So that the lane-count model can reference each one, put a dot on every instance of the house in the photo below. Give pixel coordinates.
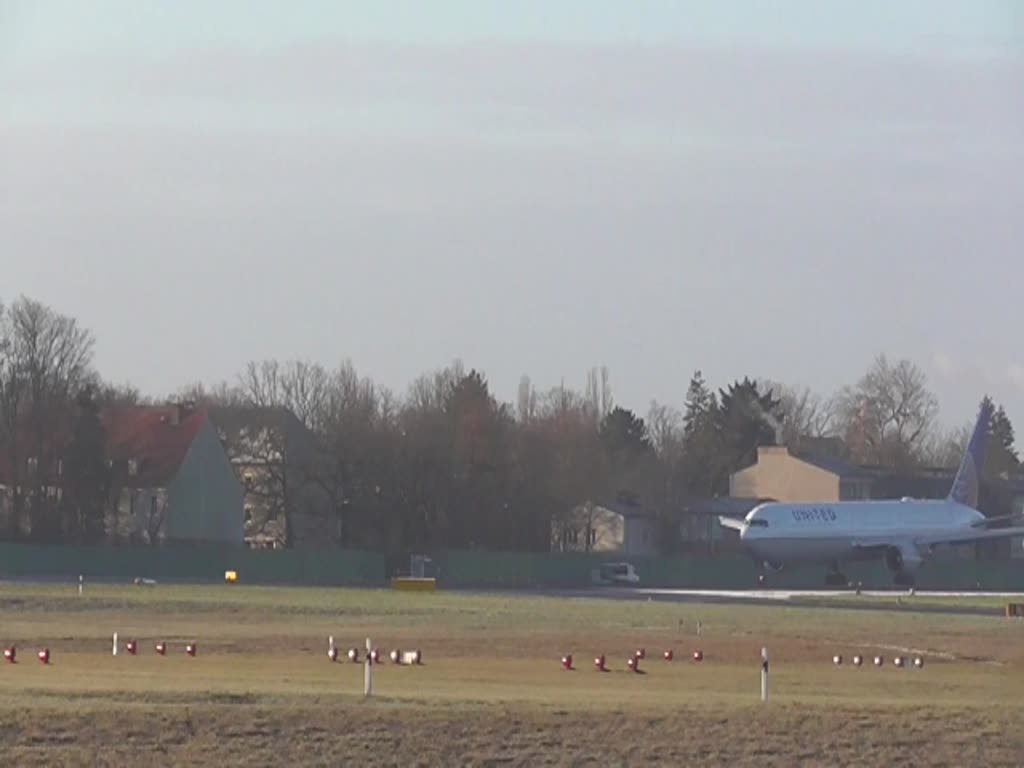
(699, 530)
(808, 476)
(287, 499)
(620, 527)
(176, 483)
(168, 478)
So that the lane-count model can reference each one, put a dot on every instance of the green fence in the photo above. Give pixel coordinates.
(465, 569)
(194, 564)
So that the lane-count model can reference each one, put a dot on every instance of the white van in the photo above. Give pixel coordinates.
(616, 573)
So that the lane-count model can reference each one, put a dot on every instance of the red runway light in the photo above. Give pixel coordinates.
(161, 648)
(668, 655)
(10, 654)
(44, 656)
(599, 663)
(567, 661)
(191, 649)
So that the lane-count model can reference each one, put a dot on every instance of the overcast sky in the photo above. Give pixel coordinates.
(774, 189)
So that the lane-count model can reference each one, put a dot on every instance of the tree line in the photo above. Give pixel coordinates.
(447, 464)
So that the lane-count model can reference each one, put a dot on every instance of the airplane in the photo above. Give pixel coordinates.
(902, 533)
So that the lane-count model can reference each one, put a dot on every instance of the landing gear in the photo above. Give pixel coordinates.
(766, 568)
(903, 579)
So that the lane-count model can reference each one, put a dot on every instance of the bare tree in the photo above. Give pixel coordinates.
(945, 448)
(803, 412)
(599, 393)
(665, 428)
(887, 417)
(299, 386)
(526, 408)
(47, 360)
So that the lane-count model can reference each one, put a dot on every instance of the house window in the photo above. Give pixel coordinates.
(33, 463)
(133, 467)
(60, 467)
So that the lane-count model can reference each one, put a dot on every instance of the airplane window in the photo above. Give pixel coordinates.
(759, 523)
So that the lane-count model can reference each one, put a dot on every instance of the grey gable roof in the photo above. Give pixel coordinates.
(837, 466)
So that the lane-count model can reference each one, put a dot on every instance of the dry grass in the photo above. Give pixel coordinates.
(262, 692)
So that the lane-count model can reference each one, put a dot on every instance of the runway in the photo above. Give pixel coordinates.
(874, 600)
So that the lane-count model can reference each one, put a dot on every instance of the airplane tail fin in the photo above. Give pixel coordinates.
(968, 477)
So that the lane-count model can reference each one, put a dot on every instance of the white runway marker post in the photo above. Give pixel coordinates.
(368, 671)
(115, 644)
(764, 674)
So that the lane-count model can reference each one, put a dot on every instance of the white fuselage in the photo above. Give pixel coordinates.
(830, 532)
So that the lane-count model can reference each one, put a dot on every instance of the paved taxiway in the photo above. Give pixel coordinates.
(844, 599)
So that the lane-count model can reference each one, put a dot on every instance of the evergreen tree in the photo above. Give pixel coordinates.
(1000, 452)
(745, 419)
(701, 448)
(624, 434)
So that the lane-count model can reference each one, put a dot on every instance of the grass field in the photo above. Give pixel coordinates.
(261, 690)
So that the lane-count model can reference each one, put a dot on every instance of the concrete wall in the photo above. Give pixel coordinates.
(205, 498)
(780, 476)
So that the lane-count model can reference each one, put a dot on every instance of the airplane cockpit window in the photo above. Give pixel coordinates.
(758, 523)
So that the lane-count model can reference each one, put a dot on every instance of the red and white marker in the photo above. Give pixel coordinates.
(599, 663)
(191, 649)
(669, 655)
(10, 654)
(698, 655)
(44, 656)
(567, 661)
(161, 648)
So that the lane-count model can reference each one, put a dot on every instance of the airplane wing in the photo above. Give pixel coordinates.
(984, 524)
(969, 536)
(881, 542)
(731, 522)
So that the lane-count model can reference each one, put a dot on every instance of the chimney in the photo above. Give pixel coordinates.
(179, 412)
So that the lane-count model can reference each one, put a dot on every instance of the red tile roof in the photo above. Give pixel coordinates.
(149, 436)
(145, 434)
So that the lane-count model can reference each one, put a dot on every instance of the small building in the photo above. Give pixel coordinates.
(618, 527)
(172, 479)
(167, 478)
(700, 531)
(287, 501)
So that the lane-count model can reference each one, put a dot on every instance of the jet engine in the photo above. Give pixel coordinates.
(902, 563)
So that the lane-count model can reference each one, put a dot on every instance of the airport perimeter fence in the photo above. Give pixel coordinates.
(465, 569)
(202, 564)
